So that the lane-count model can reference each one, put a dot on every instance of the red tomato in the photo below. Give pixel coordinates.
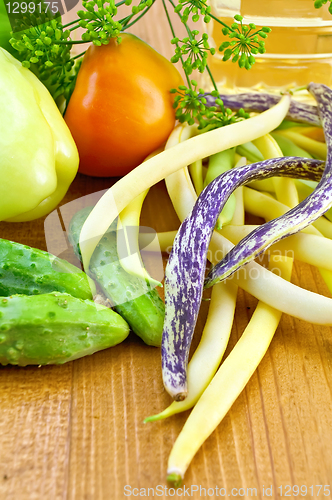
(121, 108)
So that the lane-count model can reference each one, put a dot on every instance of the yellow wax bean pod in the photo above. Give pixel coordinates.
(128, 245)
(169, 161)
(267, 207)
(165, 241)
(255, 279)
(238, 216)
(263, 185)
(283, 186)
(227, 384)
(196, 172)
(218, 164)
(261, 205)
(275, 291)
(309, 248)
(208, 355)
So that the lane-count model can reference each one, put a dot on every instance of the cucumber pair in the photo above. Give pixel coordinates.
(46, 312)
(47, 315)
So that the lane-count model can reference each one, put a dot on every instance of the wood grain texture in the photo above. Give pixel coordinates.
(76, 432)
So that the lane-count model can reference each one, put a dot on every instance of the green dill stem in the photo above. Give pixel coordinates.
(191, 38)
(62, 42)
(185, 24)
(225, 25)
(189, 34)
(71, 23)
(187, 28)
(74, 28)
(220, 22)
(126, 19)
(123, 20)
(169, 19)
(255, 33)
(78, 56)
(297, 89)
(211, 78)
(248, 33)
(126, 26)
(174, 36)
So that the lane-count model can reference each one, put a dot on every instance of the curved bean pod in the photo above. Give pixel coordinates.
(296, 219)
(171, 160)
(229, 381)
(186, 266)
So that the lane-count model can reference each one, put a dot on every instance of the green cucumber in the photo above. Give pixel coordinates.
(55, 328)
(141, 307)
(29, 271)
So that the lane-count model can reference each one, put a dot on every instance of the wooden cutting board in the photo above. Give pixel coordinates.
(76, 432)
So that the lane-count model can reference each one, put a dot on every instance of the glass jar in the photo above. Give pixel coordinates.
(298, 50)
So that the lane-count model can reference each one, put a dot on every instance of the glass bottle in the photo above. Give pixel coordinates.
(298, 50)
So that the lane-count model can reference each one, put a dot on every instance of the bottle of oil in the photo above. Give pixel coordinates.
(298, 50)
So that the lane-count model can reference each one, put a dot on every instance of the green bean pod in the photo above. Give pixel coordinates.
(299, 217)
(250, 151)
(218, 164)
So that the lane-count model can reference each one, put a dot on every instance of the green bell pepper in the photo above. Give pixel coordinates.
(38, 156)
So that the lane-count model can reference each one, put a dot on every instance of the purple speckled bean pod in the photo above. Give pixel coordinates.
(257, 101)
(185, 270)
(309, 210)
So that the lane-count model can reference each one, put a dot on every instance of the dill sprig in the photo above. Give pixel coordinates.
(195, 9)
(190, 105)
(245, 42)
(189, 102)
(195, 50)
(45, 48)
(45, 45)
(98, 21)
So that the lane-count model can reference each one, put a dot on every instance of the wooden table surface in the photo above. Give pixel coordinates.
(76, 432)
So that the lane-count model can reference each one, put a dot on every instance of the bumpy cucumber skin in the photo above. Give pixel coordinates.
(55, 328)
(144, 313)
(29, 271)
